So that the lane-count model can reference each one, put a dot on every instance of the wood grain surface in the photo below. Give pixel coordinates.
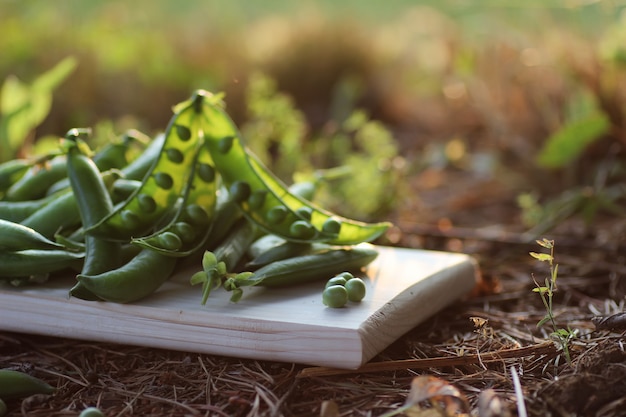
(404, 288)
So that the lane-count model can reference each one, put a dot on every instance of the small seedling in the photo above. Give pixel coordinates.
(546, 292)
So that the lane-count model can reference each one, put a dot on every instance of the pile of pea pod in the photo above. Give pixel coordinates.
(122, 225)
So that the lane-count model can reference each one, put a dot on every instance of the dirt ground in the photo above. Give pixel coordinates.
(475, 349)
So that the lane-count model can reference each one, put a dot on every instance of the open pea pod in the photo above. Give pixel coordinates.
(164, 182)
(267, 201)
(190, 227)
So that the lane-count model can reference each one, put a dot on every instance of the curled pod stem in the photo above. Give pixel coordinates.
(164, 182)
(265, 200)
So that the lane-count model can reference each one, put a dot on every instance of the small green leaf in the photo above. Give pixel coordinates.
(209, 260)
(199, 277)
(541, 290)
(544, 320)
(548, 244)
(236, 295)
(567, 143)
(543, 257)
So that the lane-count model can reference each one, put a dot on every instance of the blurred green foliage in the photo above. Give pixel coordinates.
(535, 87)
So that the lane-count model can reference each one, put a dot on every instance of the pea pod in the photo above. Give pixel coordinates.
(94, 203)
(310, 267)
(16, 237)
(163, 184)
(142, 164)
(16, 211)
(138, 278)
(36, 181)
(190, 227)
(278, 252)
(15, 384)
(264, 199)
(37, 262)
(11, 171)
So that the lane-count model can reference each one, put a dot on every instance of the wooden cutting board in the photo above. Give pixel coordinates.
(404, 288)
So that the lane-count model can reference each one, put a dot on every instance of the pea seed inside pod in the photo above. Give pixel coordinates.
(331, 226)
(276, 214)
(239, 191)
(130, 219)
(146, 203)
(196, 215)
(225, 144)
(185, 231)
(302, 229)
(206, 172)
(304, 212)
(169, 241)
(183, 132)
(164, 180)
(257, 199)
(174, 155)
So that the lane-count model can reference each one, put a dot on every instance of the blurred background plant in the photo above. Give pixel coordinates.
(438, 110)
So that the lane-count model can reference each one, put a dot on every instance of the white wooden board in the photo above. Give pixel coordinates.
(404, 288)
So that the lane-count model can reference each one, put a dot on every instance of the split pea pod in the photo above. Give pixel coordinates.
(264, 199)
(163, 184)
(190, 227)
(138, 278)
(305, 268)
(16, 237)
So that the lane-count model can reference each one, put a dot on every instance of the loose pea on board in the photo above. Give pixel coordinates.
(264, 199)
(163, 185)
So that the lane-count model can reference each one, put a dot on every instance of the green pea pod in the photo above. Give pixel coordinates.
(15, 384)
(37, 262)
(138, 278)
(36, 181)
(62, 212)
(190, 227)
(264, 199)
(317, 266)
(163, 184)
(93, 202)
(16, 237)
(11, 171)
(17, 211)
(140, 166)
(278, 253)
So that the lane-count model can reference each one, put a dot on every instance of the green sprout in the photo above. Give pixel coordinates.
(546, 292)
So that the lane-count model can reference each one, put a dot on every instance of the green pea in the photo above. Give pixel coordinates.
(356, 289)
(197, 215)
(332, 226)
(346, 275)
(302, 229)
(175, 155)
(91, 412)
(183, 132)
(226, 144)
(239, 191)
(276, 214)
(337, 280)
(146, 203)
(257, 199)
(206, 172)
(335, 296)
(170, 241)
(130, 219)
(164, 180)
(304, 212)
(185, 231)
